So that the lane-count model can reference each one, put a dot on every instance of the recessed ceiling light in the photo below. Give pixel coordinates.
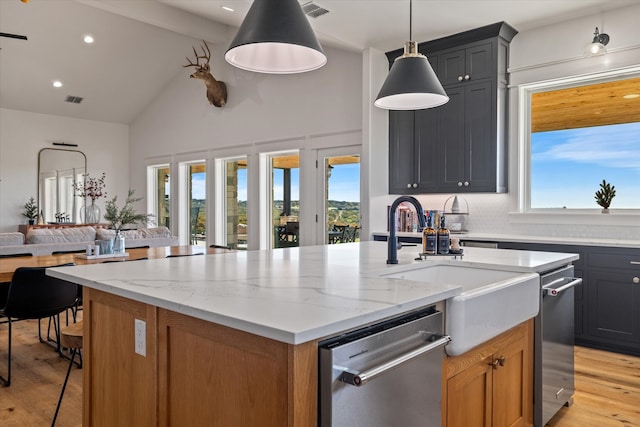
(632, 96)
(88, 39)
(57, 83)
(227, 8)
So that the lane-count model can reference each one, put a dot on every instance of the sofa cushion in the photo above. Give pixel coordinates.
(61, 235)
(8, 239)
(142, 233)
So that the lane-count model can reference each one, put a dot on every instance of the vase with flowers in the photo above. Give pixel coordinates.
(118, 218)
(92, 188)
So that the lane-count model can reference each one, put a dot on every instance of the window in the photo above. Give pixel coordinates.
(285, 200)
(582, 132)
(236, 203)
(162, 198)
(341, 201)
(197, 181)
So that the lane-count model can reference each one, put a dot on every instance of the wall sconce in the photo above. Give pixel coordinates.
(597, 46)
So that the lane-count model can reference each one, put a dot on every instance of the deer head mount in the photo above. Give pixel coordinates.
(216, 89)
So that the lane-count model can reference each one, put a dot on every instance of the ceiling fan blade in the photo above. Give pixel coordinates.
(13, 36)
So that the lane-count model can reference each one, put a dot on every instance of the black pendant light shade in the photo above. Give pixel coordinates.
(411, 85)
(276, 37)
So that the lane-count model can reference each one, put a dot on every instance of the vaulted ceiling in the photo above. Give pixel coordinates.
(141, 44)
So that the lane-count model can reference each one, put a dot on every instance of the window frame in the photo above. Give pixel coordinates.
(524, 213)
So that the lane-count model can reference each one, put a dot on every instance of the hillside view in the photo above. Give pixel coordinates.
(340, 213)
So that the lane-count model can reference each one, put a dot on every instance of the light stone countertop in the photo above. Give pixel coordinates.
(292, 295)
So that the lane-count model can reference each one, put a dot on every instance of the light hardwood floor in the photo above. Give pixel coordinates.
(608, 386)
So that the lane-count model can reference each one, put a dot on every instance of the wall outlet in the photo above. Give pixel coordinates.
(141, 337)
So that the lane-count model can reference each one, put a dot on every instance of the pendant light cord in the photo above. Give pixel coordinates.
(410, 20)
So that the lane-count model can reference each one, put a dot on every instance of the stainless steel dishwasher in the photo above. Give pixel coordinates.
(387, 374)
(554, 340)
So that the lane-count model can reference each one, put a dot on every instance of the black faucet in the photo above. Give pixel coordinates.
(392, 244)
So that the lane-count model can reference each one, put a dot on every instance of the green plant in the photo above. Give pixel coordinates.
(125, 216)
(605, 194)
(30, 209)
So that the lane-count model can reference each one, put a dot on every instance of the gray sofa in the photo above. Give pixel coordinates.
(46, 241)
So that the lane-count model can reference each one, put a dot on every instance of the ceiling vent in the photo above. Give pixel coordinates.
(74, 99)
(313, 10)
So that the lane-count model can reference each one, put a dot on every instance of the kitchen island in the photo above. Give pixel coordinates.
(232, 338)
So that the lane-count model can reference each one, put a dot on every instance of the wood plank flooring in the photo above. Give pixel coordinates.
(608, 386)
(37, 375)
(607, 391)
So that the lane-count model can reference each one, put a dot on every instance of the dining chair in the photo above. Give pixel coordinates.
(181, 255)
(34, 295)
(70, 337)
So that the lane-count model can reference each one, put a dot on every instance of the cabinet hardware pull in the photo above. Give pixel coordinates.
(360, 378)
(635, 263)
(415, 185)
(460, 78)
(466, 183)
(636, 280)
(466, 77)
(408, 185)
(459, 184)
(497, 362)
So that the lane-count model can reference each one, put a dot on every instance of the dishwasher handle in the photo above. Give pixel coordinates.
(549, 290)
(360, 378)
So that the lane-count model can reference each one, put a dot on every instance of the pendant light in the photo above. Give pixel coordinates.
(411, 84)
(276, 37)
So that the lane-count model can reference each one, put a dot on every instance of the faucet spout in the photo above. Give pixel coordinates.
(392, 243)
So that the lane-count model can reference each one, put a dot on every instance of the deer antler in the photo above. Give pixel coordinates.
(206, 56)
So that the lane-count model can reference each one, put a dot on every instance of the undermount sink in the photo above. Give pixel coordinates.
(492, 301)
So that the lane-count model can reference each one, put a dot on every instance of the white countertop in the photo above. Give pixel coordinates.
(291, 295)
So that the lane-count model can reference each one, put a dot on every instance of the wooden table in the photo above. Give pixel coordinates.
(9, 265)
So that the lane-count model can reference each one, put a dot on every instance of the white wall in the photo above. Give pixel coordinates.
(24, 134)
(264, 112)
(546, 53)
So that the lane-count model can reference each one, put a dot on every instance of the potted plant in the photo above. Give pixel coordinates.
(605, 195)
(31, 210)
(127, 215)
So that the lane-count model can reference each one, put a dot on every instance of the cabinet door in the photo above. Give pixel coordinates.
(402, 158)
(612, 305)
(480, 140)
(451, 67)
(479, 61)
(512, 385)
(451, 141)
(426, 131)
(469, 397)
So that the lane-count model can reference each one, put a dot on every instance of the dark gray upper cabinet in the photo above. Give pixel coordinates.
(473, 63)
(460, 146)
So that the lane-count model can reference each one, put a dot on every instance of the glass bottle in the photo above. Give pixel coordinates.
(429, 240)
(443, 238)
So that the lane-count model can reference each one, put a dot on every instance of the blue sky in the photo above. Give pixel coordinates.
(344, 184)
(567, 166)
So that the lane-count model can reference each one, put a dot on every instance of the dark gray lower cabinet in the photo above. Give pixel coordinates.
(607, 305)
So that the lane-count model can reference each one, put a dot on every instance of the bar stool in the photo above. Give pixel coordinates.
(70, 337)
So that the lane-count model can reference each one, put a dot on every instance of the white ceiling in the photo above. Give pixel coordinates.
(134, 55)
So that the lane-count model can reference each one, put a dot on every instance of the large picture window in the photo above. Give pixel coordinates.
(581, 134)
